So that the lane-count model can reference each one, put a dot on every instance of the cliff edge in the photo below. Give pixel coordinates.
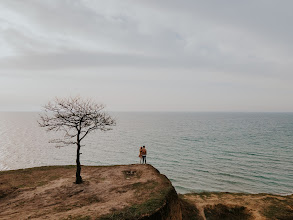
(124, 192)
(108, 193)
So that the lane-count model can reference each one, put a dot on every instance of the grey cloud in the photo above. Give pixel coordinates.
(83, 59)
(248, 37)
(25, 44)
(267, 16)
(124, 30)
(72, 19)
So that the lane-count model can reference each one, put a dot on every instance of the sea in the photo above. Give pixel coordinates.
(197, 151)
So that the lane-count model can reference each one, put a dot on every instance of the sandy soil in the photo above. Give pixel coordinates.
(50, 193)
(260, 206)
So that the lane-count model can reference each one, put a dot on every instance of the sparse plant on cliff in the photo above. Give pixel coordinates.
(76, 118)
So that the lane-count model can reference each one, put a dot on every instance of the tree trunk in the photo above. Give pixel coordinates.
(78, 179)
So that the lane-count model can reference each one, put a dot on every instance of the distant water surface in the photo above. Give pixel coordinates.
(235, 152)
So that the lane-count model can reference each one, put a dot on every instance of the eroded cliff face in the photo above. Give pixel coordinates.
(170, 210)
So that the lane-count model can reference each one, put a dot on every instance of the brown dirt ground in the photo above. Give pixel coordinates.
(259, 206)
(50, 192)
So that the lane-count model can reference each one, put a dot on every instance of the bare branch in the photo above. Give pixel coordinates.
(73, 116)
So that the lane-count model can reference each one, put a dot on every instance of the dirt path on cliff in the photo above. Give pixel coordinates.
(51, 194)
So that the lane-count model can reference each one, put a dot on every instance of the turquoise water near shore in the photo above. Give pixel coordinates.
(235, 152)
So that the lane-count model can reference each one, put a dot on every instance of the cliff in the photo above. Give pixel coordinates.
(130, 192)
(108, 192)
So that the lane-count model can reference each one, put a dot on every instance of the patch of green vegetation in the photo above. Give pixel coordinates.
(135, 210)
(220, 211)
(138, 210)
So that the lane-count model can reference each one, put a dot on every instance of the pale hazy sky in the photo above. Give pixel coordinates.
(148, 55)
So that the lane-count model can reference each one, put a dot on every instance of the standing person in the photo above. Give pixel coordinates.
(140, 155)
(143, 153)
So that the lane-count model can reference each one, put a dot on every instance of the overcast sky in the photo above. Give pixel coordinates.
(148, 55)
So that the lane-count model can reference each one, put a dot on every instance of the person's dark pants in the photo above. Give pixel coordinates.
(143, 159)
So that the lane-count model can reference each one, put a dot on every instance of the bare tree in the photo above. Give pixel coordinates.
(76, 118)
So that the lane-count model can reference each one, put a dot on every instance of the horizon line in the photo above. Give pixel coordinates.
(151, 111)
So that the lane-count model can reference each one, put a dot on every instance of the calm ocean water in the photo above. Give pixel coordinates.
(235, 152)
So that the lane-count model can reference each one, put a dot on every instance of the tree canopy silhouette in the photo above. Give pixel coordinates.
(76, 118)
